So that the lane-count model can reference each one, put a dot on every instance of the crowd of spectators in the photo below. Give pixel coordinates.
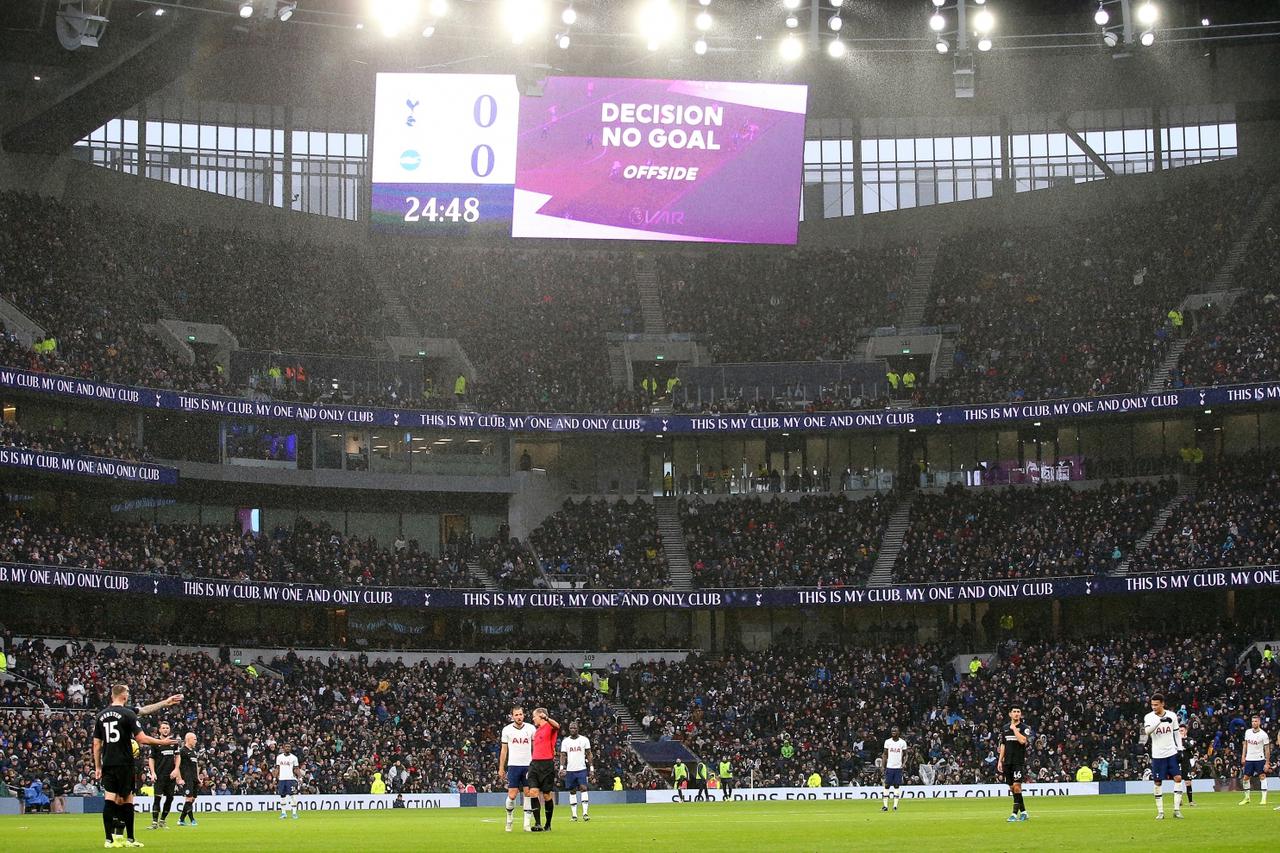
(1081, 308)
(602, 544)
(1229, 520)
(810, 305)
(532, 322)
(782, 714)
(424, 727)
(1240, 345)
(63, 440)
(1027, 532)
(1084, 700)
(307, 553)
(818, 540)
(508, 562)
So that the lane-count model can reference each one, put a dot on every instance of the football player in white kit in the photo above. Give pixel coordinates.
(287, 780)
(1161, 726)
(1256, 760)
(895, 753)
(576, 750)
(513, 765)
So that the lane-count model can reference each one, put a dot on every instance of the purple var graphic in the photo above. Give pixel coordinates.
(626, 159)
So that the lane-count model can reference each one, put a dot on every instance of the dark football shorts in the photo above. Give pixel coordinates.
(1014, 774)
(118, 779)
(542, 775)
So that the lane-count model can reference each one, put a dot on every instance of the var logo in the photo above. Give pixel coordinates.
(410, 160)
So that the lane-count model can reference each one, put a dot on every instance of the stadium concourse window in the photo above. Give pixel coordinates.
(237, 151)
(830, 167)
(909, 162)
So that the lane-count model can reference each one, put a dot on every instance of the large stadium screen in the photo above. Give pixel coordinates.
(590, 158)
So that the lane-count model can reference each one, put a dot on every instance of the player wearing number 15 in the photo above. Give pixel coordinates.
(114, 732)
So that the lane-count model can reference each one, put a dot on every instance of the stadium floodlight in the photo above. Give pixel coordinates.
(700, 47)
(791, 4)
(439, 8)
(522, 18)
(428, 31)
(1101, 16)
(836, 49)
(159, 12)
(1148, 38)
(285, 12)
(703, 21)
(937, 22)
(791, 48)
(569, 16)
(1110, 38)
(837, 3)
(984, 22)
(941, 45)
(393, 15)
(1204, 22)
(1148, 13)
(792, 22)
(984, 44)
(246, 9)
(658, 22)
(939, 3)
(563, 41)
(835, 23)
(705, 2)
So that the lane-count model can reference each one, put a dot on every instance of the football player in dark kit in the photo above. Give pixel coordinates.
(161, 763)
(114, 732)
(188, 778)
(1013, 762)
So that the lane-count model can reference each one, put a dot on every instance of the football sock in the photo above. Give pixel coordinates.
(537, 811)
(511, 809)
(1018, 803)
(294, 800)
(168, 806)
(1177, 798)
(550, 807)
(884, 798)
(897, 793)
(1263, 780)
(528, 811)
(128, 820)
(573, 804)
(155, 808)
(1245, 784)
(1159, 800)
(584, 797)
(109, 817)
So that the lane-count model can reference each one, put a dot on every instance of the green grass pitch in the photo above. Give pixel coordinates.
(1111, 823)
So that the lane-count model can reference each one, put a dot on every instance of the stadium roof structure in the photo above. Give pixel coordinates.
(323, 52)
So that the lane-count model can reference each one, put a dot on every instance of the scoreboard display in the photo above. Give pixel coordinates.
(591, 158)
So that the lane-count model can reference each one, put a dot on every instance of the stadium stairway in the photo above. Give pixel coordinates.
(406, 325)
(1186, 487)
(1171, 359)
(673, 544)
(481, 574)
(656, 754)
(891, 545)
(945, 361)
(650, 300)
(916, 299)
(1225, 277)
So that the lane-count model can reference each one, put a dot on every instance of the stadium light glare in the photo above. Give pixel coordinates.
(658, 22)
(246, 9)
(569, 16)
(792, 22)
(984, 44)
(1110, 39)
(939, 3)
(1204, 22)
(836, 49)
(705, 2)
(522, 18)
(941, 46)
(1148, 38)
(563, 41)
(700, 47)
(791, 48)
(937, 22)
(286, 11)
(1101, 16)
(984, 22)
(791, 4)
(159, 12)
(837, 3)
(439, 8)
(1148, 13)
(36, 77)
(428, 31)
(703, 21)
(393, 16)
(835, 23)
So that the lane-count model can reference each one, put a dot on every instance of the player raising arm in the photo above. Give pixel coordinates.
(1012, 762)
(1161, 726)
(114, 732)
